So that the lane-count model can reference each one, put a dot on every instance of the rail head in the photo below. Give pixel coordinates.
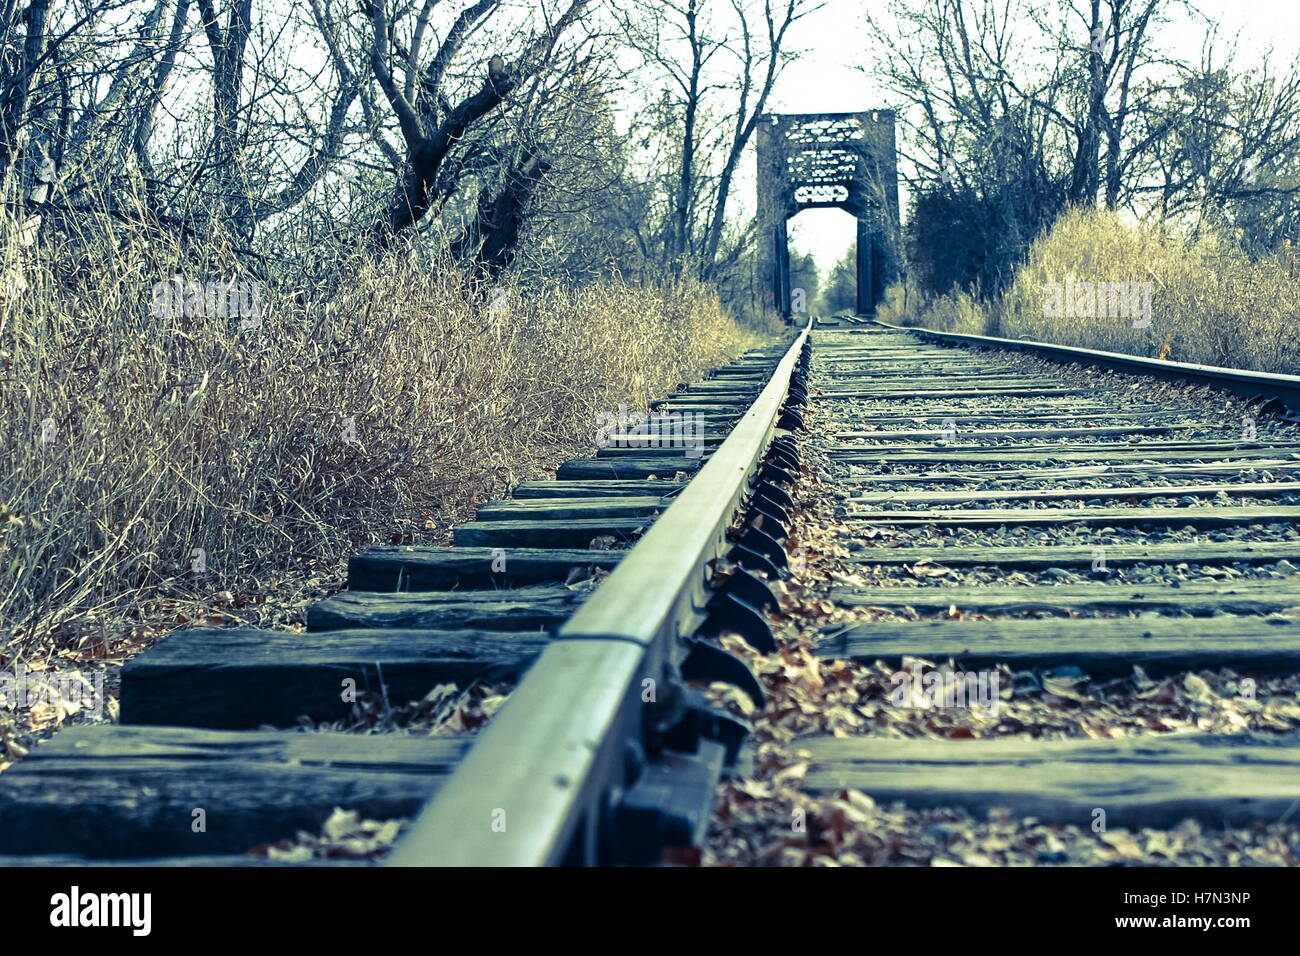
(554, 757)
(1285, 388)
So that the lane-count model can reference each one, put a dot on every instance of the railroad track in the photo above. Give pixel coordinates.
(588, 597)
(1041, 520)
(1065, 525)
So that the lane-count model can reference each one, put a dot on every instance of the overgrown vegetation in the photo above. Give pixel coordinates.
(1211, 302)
(387, 406)
(465, 239)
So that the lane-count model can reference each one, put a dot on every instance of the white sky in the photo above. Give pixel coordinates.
(826, 81)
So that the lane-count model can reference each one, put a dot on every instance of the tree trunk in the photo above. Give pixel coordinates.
(1083, 182)
(494, 236)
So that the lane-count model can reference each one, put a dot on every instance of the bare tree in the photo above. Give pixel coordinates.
(462, 121)
(719, 64)
(759, 62)
(1224, 148)
(999, 142)
(415, 89)
(24, 39)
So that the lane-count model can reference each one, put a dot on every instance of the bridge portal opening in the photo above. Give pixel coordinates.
(823, 260)
(828, 161)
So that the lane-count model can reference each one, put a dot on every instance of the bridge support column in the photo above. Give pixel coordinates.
(783, 290)
(773, 252)
(866, 286)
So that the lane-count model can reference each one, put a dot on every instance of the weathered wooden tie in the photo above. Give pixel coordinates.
(1256, 489)
(1190, 597)
(407, 568)
(1108, 556)
(1102, 647)
(108, 791)
(1200, 517)
(237, 679)
(1149, 781)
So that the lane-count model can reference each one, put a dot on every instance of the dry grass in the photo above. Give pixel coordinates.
(954, 312)
(175, 434)
(1210, 302)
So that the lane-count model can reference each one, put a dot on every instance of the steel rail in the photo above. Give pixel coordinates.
(1285, 388)
(542, 778)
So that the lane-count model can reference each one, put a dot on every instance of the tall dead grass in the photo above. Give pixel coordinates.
(1211, 303)
(382, 409)
(957, 311)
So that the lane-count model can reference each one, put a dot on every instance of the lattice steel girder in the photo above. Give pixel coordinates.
(820, 161)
